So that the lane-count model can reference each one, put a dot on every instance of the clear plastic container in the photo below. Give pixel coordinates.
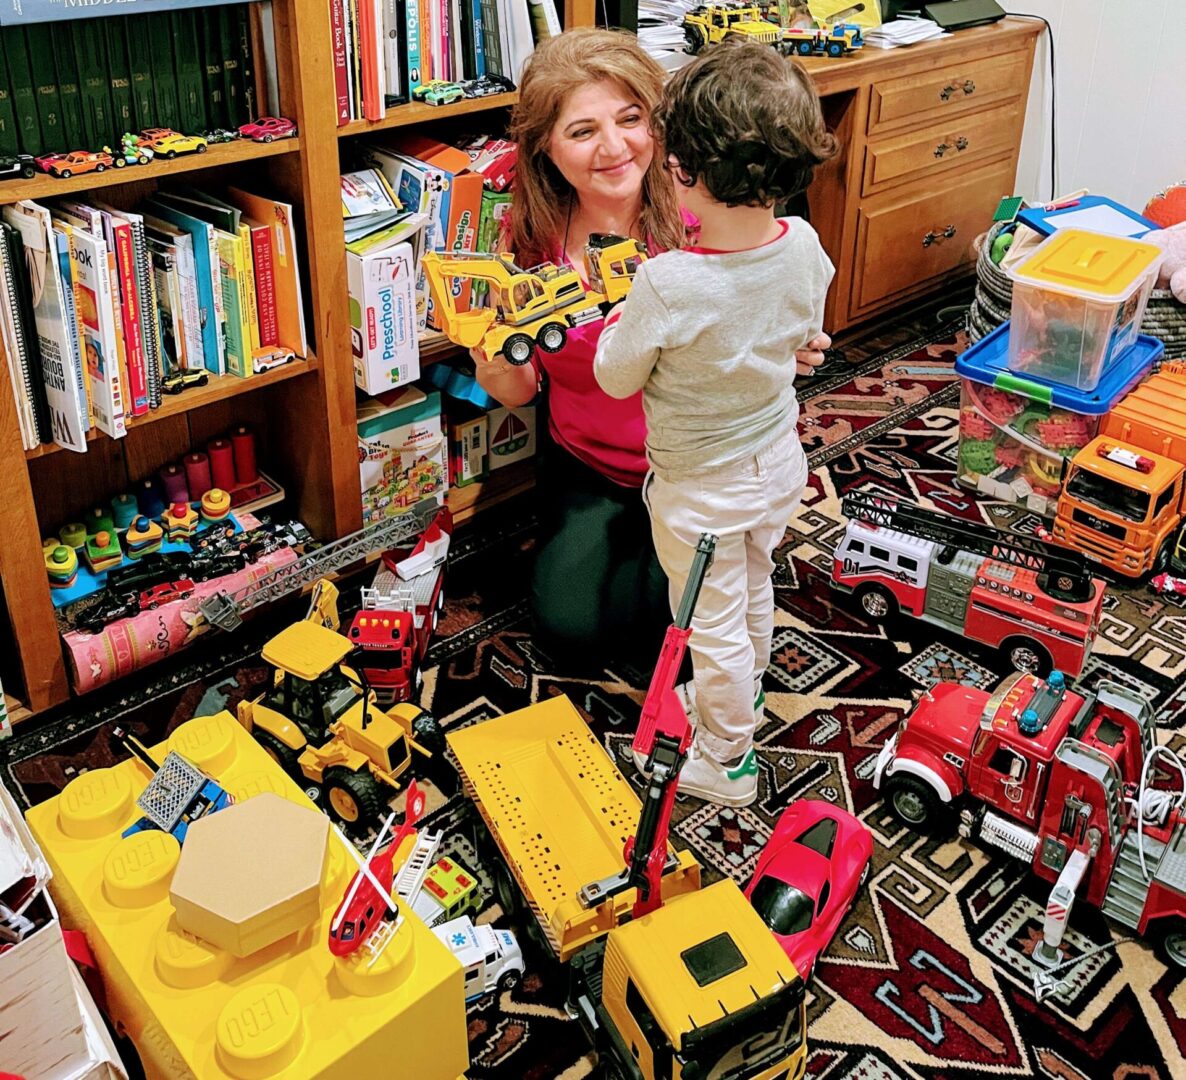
(1078, 301)
(1015, 433)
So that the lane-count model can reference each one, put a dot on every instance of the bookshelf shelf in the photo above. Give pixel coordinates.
(418, 113)
(468, 502)
(44, 186)
(219, 388)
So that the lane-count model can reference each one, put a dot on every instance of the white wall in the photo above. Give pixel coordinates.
(1120, 69)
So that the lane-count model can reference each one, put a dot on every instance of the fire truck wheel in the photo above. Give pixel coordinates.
(913, 802)
(508, 980)
(878, 603)
(1170, 942)
(284, 756)
(518, 349)
(353, 798)
(1026, 655)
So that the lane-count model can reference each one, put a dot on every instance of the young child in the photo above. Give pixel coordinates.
(709, 334)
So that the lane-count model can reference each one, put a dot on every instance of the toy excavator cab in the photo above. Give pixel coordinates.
(610, 264)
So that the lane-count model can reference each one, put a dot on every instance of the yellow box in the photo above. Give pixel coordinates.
(194, 1012)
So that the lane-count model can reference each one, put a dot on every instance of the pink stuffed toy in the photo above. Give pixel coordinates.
(1173, 269)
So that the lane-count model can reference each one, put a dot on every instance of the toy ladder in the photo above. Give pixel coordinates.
(412, 875)
(381, 938)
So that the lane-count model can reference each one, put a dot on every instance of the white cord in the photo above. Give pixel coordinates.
(1155, 803)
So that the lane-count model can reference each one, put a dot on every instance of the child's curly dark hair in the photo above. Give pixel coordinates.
(746, 121)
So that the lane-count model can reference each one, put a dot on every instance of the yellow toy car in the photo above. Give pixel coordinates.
(168, 144)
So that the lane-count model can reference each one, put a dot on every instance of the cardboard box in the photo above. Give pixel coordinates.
(401, 451)
(383, 318)
(469, 458)
(511, 435)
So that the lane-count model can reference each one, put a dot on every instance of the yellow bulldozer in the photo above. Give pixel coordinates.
(710, 23)
(531, 307)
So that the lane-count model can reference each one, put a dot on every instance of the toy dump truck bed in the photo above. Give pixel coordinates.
(560, 812)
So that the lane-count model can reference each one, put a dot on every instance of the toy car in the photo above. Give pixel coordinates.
(487, 85)
(152, 598)
(807, 877)
(271, 356)
(221, 135)
(111, 606)
(171, 144)
(183, 380)
(148, 570)
(438, 92)
(77, 162)
(24, 165)
(268, 128)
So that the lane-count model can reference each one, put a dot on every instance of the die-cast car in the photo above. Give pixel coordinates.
(268, 128)
(438, 92)
(17, 165)
(173, 143)
(487, 85)
(78, 162)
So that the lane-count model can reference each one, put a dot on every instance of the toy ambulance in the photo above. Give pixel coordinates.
(491, 957)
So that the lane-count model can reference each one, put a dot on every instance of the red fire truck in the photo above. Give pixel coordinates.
(1035, 602)
(400, 611)
(1060, 779)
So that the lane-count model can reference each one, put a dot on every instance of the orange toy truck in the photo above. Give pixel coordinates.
(1123, 503)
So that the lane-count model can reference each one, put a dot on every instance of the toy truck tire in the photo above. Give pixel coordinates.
(352, 798)
(1027, 656)
(877, 602)
(835, 48)
(805, 48)
(913, 802)
(1169, 939)
(1161, 561)
(552, 337)
(284, 756)
(426, 731)
(508, 980)
(518, 349)
(694, 37)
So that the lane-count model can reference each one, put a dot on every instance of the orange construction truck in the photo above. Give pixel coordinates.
(1123, 503)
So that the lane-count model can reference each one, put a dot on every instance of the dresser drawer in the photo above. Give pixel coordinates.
(957, 143)
(906, 242)
(945, 91)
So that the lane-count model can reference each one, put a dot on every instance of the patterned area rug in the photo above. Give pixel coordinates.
(930, 976)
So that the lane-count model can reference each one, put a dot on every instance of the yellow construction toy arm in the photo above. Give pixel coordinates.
(466, 328)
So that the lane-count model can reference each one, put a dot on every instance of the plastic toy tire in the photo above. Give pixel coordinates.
(65, 174)
(28, 172)
(508, 980)
(426, 730)
(1170, 942)
(805, 48)
(201, 148)
(694, 39)
(170, 154)
(518, 349)
(119, 163)
(284, 756)
(835, 49)
(267, 138)
(100, 167)
(552, 338)
(352, 798)
(878, 603)
(1161, 561)
(1026, 655)
(913, 802)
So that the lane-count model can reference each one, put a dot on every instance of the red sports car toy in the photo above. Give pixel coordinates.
(268, 128)
(808, 875)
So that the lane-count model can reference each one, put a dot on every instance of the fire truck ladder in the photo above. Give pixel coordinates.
(415, 870)
(1068, 573)
(226, 610)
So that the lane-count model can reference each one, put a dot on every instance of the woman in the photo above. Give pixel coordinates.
(588, 164)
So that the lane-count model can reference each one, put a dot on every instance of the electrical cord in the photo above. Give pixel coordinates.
(1053, 104)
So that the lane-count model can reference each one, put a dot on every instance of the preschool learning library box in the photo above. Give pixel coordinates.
(383, 318)
(401, 452)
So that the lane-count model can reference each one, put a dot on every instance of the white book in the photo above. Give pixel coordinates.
(521, 40)
(191, 308)
(97, 309)
(380, 47)
(59, 366)
(458, 61)
(436, 58)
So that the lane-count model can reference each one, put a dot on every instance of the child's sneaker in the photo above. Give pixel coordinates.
(759, 708)
(725, 785)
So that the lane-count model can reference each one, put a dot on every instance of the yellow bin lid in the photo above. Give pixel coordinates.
(1087, 264)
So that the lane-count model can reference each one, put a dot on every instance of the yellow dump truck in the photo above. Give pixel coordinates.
(697, 988)
(710, 23)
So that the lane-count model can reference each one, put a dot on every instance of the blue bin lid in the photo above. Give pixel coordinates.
(987, 362)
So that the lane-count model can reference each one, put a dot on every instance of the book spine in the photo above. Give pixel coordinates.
(14, 351)
(90, 52)
(341, 83)
(49, 11)
(101, 359)
(121, 348)
(236, 106)
(492, 37)
(479, 40)
(414, 46)
(356, 51)
(73, 326)
(212, 69)
(10, 142)
(123, 110)
(70, 94)
(147, 308)
(191, 307)
(265, 286)
(371, 105)
(248, 308)
(125, 259)
(156, 370)
(24, 94)
(45, 86)
(138, 35)
(237, 360)
(241, 20)
(190, 85)
(220, 304)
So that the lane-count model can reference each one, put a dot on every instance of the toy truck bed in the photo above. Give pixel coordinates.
(560, 813)
(1153, 416)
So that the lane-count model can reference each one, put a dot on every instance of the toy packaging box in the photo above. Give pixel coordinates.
(401, 452)
(383, 318)
(1016, 433)
(469, 459)
(511, 435)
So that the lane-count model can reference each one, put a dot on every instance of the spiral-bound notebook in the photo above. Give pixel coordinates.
(24, 358)
(149, 311)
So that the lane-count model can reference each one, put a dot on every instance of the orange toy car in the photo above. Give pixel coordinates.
(77, 162)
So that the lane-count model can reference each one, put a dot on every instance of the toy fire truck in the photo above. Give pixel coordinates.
(1035, 602)
(1057, 778)
(400, 611)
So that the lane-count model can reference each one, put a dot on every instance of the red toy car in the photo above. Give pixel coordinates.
(808, 876)
(268, 128)
(152, 598)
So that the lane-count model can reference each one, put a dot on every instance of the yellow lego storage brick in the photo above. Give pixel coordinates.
(195, 1012)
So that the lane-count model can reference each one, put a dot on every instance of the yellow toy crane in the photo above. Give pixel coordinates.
(529, 307)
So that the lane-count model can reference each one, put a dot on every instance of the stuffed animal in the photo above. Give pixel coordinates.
(1168, 208)
(1173, 268)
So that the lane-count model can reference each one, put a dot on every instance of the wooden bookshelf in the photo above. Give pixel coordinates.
(469, 501)
(417, 112)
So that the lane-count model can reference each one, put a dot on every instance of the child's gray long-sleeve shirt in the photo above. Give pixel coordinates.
(710, 338)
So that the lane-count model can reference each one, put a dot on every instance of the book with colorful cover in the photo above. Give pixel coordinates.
(122, 244)
(93, 295)
(265, 280)
(417, 54)
(179, 242)
(168, 291)
(62, 240)
(245, 267)
(238, 349)
(337, 15)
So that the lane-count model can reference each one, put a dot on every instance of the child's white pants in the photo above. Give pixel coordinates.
(747, 506)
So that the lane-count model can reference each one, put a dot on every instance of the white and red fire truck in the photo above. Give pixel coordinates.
(1058, 778)
(400, 610)
(1035, 602)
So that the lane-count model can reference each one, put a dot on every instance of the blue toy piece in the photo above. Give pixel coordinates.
(459, 384)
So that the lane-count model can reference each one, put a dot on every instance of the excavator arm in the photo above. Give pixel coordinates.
(464, 328)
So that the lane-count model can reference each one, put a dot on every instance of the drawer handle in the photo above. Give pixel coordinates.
(959, 145)
(969, 88)
(949, 91)
(938, 238)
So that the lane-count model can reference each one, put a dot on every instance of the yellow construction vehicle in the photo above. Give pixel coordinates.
(710, 23)
(529, 307)
(319, 721)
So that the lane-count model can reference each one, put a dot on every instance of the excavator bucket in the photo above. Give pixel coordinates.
(466, 328)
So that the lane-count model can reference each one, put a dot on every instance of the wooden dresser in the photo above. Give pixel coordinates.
(930, 136)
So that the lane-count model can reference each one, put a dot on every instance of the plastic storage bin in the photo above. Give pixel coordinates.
(1015, 432)
(1077, 305)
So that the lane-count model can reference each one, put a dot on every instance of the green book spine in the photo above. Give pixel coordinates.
(164, 81)
(242, 21)
(191, 90)
(122, 100)
(212, 68)
(70, 93)
(45, 84)
(9, 140)
(232, 70)
(24, 96)
(90, 53)
(139, 38)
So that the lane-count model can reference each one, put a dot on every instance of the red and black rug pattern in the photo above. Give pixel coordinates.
(930, 977)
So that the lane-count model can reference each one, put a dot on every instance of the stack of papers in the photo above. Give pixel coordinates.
(904, 30)
(661, 31)
(368, 203)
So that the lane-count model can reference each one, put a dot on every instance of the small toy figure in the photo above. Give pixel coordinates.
(78, 162)
(268, 128)
(133, 152)
(438, 92)
(22, 165)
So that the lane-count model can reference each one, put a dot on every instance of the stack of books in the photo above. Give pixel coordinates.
(106, 308)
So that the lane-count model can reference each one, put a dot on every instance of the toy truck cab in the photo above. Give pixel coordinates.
(491, 958)
(611, 263)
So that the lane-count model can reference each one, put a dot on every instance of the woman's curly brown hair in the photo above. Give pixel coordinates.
(746, 121)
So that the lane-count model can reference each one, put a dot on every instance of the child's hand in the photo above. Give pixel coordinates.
(808, 358)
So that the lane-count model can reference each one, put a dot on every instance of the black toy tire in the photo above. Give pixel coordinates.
(359, 788)
(201, 148)
(1028, 656)
(65, 174)
(878, 603)
(508, 980)
(914, 803)
(28, 172)
(551, 338)
(518, 349)
(284, 756)
(1170, 942)
(170, 154)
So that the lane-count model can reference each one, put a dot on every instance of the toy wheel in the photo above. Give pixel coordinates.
(65, 174)
(1170, 942)
(865, 875)
(427, 732)
(119, 162)
(28, 172)
(805, 48)
(518, 349)
(201, 148)
(100, 167)
(417, 681)
(694, 39)
(267, 138)
(1161, 561)
(508, 980)
(352, 797)
(878, 603)
(153, 605)
(170, 154)
(1026, 655)
(835, 48)
(912, 802)
(284, 756)
(552, 337)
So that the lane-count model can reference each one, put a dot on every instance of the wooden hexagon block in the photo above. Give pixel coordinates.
(251, 874)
